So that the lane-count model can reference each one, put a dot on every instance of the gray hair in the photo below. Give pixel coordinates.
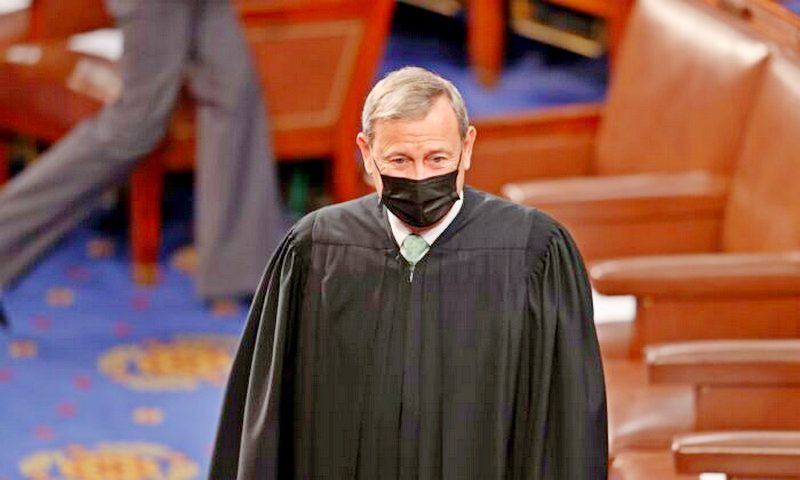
(409, 94)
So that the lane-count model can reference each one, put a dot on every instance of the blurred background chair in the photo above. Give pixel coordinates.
(666, 139)
(314, 104)
(659, 73)
(655, 161)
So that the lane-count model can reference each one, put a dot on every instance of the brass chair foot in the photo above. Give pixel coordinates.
(185, 260)
(145, 273)
(224, 307)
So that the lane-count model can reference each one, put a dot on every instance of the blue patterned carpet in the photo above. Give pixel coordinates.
(103, 380)
(93, 360)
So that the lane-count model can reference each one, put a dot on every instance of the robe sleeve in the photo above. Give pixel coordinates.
(561, 400)
(247, 443)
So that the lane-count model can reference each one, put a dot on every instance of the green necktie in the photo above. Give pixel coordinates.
(414, 247)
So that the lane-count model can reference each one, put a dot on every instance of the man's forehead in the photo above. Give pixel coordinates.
(438, 124)
(398, 139)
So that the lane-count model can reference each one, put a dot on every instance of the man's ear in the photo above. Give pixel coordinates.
(363, 145)
(469, 142)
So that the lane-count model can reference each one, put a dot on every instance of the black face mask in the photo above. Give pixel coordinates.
(420, 203)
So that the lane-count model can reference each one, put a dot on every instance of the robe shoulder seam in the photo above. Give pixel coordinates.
(544, 256)
(301, 236)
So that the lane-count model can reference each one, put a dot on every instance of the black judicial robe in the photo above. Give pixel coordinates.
(483, 365)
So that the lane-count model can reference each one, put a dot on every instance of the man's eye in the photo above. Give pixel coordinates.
(397, 160)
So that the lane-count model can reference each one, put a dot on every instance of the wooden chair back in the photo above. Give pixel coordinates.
(317, 60)
(763, 211)
(681, 89)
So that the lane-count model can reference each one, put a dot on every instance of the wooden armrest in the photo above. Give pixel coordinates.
(624, 197)
(13, 26)
(51, 19)
(46, 98)
(754, 454)
(706, 297)
(55, 64)
(630, 215)
(720, 274)
(546, 143)
(751, 384)
(726, 362)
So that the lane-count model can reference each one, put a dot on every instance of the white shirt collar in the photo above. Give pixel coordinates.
(400, 230)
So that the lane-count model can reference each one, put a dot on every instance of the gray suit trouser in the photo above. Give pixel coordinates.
(237, 213)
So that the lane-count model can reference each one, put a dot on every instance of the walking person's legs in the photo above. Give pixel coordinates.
(238, 214)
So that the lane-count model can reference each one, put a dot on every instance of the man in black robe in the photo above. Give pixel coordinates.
(430, 331)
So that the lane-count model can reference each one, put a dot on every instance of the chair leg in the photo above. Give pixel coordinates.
(5, 162)
(486, 38)
(147, 187)
(616, 27)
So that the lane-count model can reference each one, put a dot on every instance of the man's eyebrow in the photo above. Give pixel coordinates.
(439, 150)
(400, 153)
(395, 153)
